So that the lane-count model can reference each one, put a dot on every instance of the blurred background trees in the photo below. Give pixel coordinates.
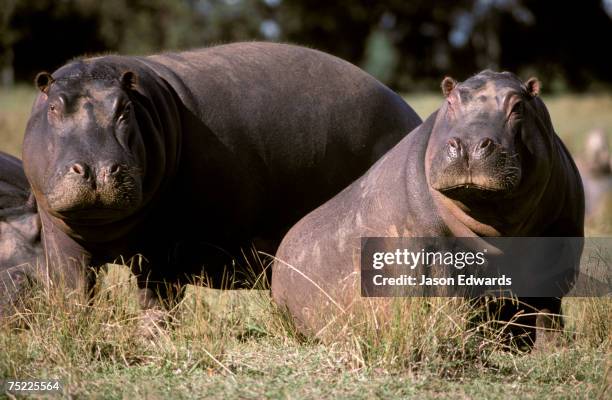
(408, 44)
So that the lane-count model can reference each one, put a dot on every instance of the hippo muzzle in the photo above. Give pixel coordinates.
(95, 191)
(480, 166)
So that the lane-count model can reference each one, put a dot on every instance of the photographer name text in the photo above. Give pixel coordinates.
(411, 260)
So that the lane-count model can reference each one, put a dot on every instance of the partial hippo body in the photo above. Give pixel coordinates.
(487, 163)
(187, 158)
(596, 171)
(20, 245)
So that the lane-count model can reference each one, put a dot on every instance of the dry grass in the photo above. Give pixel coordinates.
(238, 344)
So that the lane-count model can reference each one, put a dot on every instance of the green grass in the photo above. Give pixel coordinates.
(15, 107)
(236, 344)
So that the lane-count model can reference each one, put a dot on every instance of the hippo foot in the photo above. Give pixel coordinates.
(549, 331)
(152, 323)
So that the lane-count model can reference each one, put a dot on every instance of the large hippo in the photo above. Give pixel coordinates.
(187, 158)
(20, 244)
(487, 163)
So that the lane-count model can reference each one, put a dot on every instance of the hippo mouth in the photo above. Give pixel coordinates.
(477, 182)
(80, 205)
(472, 191)
(92, 215)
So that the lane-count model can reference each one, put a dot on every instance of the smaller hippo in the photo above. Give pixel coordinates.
(20, 228)
(488, 163)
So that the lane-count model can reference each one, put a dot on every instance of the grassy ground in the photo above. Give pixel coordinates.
(235, 344)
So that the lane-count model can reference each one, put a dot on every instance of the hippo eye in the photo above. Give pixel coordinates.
(125, 113)
(57, 104)
(54, 108)
(517, 109)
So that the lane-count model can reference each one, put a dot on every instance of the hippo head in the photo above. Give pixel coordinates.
(483, 136)
(83, 151)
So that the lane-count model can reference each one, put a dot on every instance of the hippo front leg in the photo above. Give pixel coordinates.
(549, 322)
(535, 322)
(64, 260)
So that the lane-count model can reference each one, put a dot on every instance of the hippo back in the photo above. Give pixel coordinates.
(14, 188)
(324, 120)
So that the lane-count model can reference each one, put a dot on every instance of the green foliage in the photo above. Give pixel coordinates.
(141, 26)
(409, 45)
(7, 35)
(381, 58)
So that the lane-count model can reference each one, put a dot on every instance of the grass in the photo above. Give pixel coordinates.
(236, 344)
(15, 107)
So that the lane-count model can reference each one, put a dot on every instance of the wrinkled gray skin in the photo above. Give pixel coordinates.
(187, 158)
(596, 171)
(19, 231)
(487, 163)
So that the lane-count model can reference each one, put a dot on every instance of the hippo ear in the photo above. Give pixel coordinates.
(43, 80)
(533, 87)
(128, 80)
(448, 84)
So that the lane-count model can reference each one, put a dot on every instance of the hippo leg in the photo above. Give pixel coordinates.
(535, 321)
(549, 322)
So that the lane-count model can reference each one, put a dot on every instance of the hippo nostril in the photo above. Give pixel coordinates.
(454, 149)
(483, 149)
(114, 169)
(108, 172)
(454, 143)
(484, 143)
(80, 169)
